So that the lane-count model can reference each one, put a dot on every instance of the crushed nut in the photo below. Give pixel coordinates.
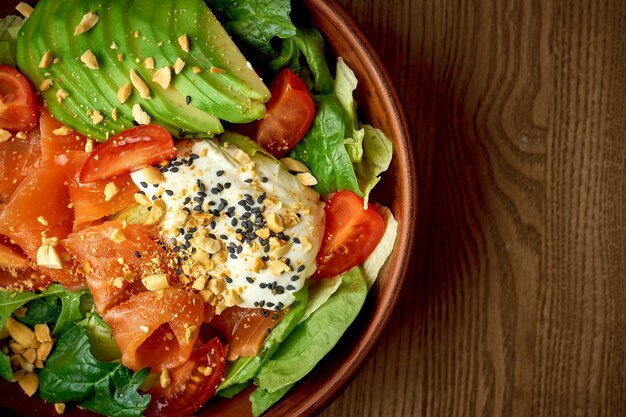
(89, 59)
(306, 243)
(117, 236)
(199, 283)
(163, 77)
(306, 179)
(196, 70)
(114, 114)
(157, 212)
(242, 156)
(294, 165)
(216, 70)
(183, 41)
(4, 135)
(89, 145)
(290, 219)
(48, 257)
(118, 282)
(88, 21)
(263, 233)
(30, 355)
(155, 282)
(46, 59)
(140, 116)
(208, 244)
(21, 333)
(258, 265)
(59, 408)
(279, 267)
(123, 93)
(45, 84)
(153, 175)
(62, 131)
(43, 351)
(142, 199)
(42, 220)
(149, 63)
(164, 378)
(190, 334)
(139, 84)
(275, 223)
(29, 383)
(25, 9)
(178, 66)
(19, 135)
(281, 251)
(61, 95)
(96, 117)
(42, 333)
(110, 191)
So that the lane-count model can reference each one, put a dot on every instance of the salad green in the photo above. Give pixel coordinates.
(341, 153)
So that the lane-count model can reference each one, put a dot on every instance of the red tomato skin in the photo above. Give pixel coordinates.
(289, 114)
(18, 102)
(351, 234)
(183, 397)
(128, 151)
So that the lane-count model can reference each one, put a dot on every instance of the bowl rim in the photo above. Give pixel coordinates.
(342, 375)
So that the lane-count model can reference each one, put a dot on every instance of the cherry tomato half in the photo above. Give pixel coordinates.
(289, 114)
(191, 384)
(350, 235)
(128, 151)
(18, 103)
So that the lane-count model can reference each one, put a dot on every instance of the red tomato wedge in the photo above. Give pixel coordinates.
(350, 235)
(128, 151)
(18, 158)
(40, 206)
(18, 102)
(99, 255)
(192, 384)
(289, 114)
(245, 329)
(157, 329)
(56, 147)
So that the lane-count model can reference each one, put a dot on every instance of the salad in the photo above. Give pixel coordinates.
(184, 203)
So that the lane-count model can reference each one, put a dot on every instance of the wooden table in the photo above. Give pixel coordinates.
(516, 301)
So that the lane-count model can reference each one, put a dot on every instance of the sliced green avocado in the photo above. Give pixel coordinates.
(215, 83)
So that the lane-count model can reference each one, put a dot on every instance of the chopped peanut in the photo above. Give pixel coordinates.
(21, 333)
(46, 59)
(155, 282)
(89, 59)
(163, 77)
(183, 41)
(29, 383)
(110, 191)
(140, 116)
(117, 236)
(123, 93)
(139, 84)
(88, 21)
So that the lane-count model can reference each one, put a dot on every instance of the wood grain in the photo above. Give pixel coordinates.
(515, 306)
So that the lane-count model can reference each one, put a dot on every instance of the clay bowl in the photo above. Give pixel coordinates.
(378, 106)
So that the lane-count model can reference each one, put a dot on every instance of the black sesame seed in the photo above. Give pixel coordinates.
(269, 304)
(288, 261)
(219, 173)
(181, 133)
(230, 249)
(222, 206)
(266, 249)
(296, 240)
(280, 305)
(248, 180)
(233, 256)
(262, 285)
(265, 313)
(227, 185)
(202, 194)
(265, 258)
(290, 287)
(250, 279)
(176, 249)
(193, 156)
(155, 185)
(211, 235)
(295, 278)
(172, 241)
(169, 192)
(264, 179)
(187, 200)
(198, 208)
(144, 184)
(212, 203)
(239, 249)
(137, 254)
(135, 123)
(188, 100)
(193, 229)
(301, 268)
(215, 191)
(223, 237)
(262, 303)
(178, 271)
(233, 222)
(256, 303)
(275, 316)
(154, 197)
(177, 163)
(186, 210)
(173, 169)
(229, 280)
(281, 235)
(198, 199)
(188, 236)
(213, 224)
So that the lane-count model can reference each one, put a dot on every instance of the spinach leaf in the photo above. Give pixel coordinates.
(12, 300)
(233, 390)
(289, 57)
(246, 368)
(262, 399)
(323, 151)
(72, 373)
(310, 42)
(70, 310)
(256, 22)
(43, 310)
(311, 340)
(5, 367)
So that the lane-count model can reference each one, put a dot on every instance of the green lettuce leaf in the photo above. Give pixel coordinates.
(372, 265)
(323, 151)
(319, 292)
(245, 368)
(311, 340)
(72, 373)
(377, 154)
(9, 27)
(311, 44)
(289, 57)
(244, 143)
(103, 345)
(345, 84)
(262, 399)
(233, 390)
(256, 22)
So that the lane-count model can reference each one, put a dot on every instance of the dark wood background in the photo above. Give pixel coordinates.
(517, 298)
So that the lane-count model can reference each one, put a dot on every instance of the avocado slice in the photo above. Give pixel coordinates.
(216, 82)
